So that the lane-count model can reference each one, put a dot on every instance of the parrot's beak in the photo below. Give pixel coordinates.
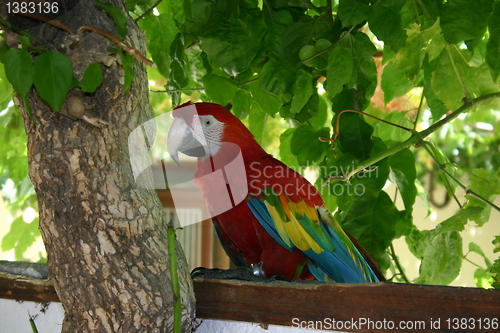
(181, 139)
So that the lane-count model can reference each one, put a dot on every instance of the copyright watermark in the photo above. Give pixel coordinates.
(226, 180)
(385, 324)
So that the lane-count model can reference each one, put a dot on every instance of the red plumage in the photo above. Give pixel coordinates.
(282, 223)
(239, 231)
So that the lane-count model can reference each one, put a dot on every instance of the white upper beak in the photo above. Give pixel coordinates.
(180, 138)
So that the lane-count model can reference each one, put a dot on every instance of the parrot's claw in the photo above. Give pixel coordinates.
(239, 273)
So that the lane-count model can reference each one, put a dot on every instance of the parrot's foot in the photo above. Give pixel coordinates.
(239, 273)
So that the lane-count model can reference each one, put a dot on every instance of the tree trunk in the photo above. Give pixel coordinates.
(105, 237)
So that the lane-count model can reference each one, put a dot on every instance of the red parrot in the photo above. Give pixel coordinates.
(278, 222)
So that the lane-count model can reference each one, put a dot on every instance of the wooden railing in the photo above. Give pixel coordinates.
(375, 307)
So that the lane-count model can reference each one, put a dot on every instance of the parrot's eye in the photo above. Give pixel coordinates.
(208, 121)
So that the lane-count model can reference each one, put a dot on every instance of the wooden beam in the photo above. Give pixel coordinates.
(374, 307)
(24, 288)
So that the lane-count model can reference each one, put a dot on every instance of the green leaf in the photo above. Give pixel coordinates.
(53, 78)
(130, 4)
(293, 3)
(456, 222)
(3, 49)
(364, 77)
(345, 100)
(473, 247)
(286, 155)
(420, 43)
(5, 87)
(362, 51)
(385, 23)
(375, 226)
(404, 173)
(339, 70)
(197, 14)
(128, 69)
(306, 146)
(493, 46)
(394, 82)
(277, 77)
(353, 12)
(389, 133)
(496, 243)
(257, 122)
(445, 84)
(437, 107)
(160, 32)
(495, 270)
(19, 70)
(118, 16)
(478, 80)
(483, 278)
(177, 9)
(20, 237)
(463, 20)
(92, 78)
(25, 42)
(178, 78)
(442, 259)
(404, 224)
(242, 102)
(486, 185)
(219, 89)
(355, 136)
(318, 121)
(359, 196)
(269, 103)
(231, 44)
(309, 110)
(302, 92)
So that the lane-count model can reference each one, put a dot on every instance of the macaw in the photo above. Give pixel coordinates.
(282, 226)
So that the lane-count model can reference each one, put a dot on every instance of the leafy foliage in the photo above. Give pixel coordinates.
(349, 84)
(290, 59)
(16, 186)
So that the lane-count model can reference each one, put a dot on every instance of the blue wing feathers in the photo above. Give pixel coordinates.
(335, 262)
(260, 211)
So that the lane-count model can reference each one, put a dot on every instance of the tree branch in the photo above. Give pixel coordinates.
(50, 21)
(420, 104)
(418, 137)
(398, 265)
(337, 123)
(130, 50)
(446, 180)
(146, 13)
(462, 186)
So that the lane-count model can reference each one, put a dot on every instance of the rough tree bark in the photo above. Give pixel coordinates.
(106, 239)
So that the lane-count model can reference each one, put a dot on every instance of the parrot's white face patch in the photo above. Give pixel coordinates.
(208, 131)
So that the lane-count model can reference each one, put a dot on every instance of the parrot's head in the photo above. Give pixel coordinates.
(201, 129)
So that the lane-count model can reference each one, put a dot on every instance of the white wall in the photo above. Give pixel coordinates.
(15, 315)
(48, 317)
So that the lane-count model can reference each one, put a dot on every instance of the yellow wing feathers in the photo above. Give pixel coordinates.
(288, 226)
